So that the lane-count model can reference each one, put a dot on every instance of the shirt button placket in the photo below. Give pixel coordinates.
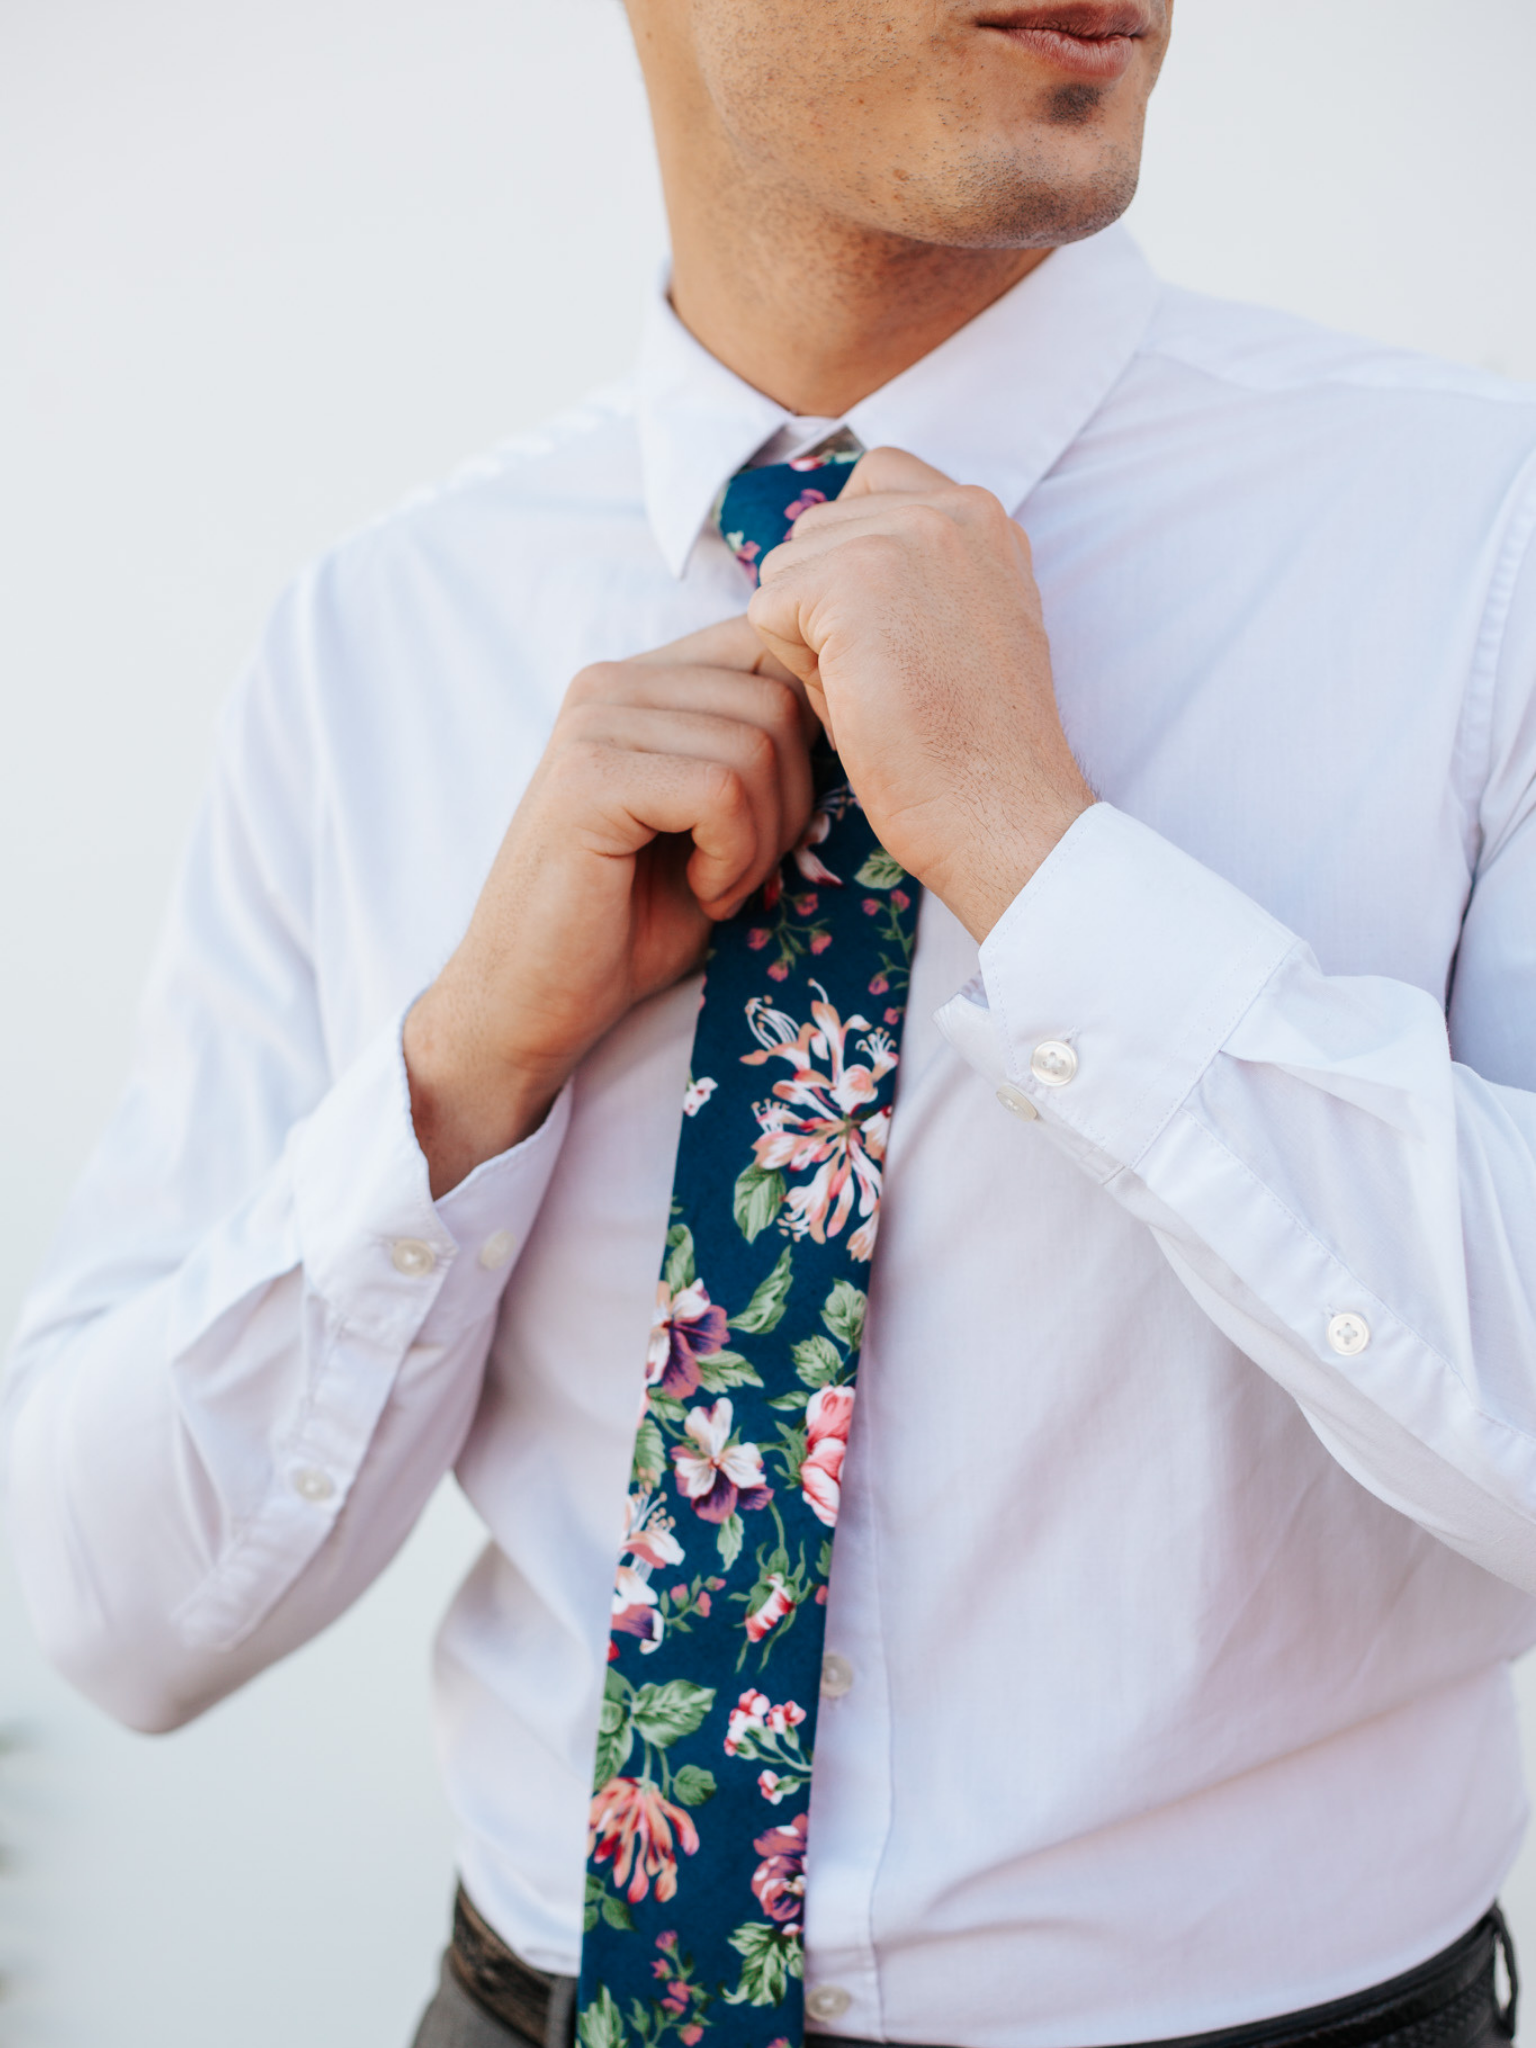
(827, 2001)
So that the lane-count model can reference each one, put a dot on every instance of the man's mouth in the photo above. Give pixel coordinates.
(1085, 39)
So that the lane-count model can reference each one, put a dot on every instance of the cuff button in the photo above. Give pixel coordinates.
(1053, 1064)
(1349, 1334)
(1014, 1098)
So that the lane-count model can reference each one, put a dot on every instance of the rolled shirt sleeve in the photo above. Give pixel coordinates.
(387, 1277)
(1341, 1197)
(258, 1344)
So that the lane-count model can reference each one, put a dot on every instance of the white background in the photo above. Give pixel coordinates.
(264, 268)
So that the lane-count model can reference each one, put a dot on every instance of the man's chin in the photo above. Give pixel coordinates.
(1004, 206)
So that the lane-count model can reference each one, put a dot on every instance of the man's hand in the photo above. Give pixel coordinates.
(671, 787)
(908, 608)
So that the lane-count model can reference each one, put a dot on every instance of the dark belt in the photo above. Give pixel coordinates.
(1449, 2002)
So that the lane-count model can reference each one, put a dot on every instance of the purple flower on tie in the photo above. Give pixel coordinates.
(688, 1327)
(718, 1475)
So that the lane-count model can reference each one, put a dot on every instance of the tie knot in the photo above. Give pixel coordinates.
(758, 506)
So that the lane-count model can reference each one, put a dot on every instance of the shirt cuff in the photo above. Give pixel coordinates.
(375, 1246)
(1110, 983)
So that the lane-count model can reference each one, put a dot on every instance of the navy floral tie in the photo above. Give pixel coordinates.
(696, 1857)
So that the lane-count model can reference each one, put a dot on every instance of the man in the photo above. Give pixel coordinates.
(1185, 1503)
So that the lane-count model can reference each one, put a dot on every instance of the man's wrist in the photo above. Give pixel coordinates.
(468, 1103)
(1001, 859)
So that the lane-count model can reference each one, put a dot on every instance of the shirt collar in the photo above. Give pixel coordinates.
(996, 404)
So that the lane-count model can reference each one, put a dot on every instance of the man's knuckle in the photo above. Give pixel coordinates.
(977, 502)
(780, 707)
(726, 790)
(924, 519)
(584, 759)
(758, 752)
(594, 683)
(580, 721)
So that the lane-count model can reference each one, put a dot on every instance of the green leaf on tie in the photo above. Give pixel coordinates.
(600, 2024)
(692, 1785)
(843, 1313)
(729, 1540)
(662, 1713)
(880, 871)
(770, 1957)
(680, 1271)
(720, 1370)
(759, 1197)
(816, 1362)
(650, 1454)
(765, 1310)
(615, 1732)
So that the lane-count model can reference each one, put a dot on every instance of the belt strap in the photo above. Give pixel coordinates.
(541, 2008)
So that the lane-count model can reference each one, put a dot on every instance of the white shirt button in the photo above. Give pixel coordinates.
(1349, 1334)
(1053, 1063)
(496, 1250)
(310, 1483)
(836, 1677)
(413, 1258)
(828, 2002)
(1015, 1099)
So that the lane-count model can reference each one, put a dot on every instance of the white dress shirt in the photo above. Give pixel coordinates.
(1189, 1520)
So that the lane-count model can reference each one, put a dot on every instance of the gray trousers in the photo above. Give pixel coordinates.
(453, 2020)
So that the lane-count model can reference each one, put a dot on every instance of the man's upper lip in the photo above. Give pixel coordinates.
(1087, 18)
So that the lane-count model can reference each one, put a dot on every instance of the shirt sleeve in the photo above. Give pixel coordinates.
(1340, 1171)
(259, 1343)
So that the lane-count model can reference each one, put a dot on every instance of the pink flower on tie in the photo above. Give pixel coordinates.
(746, 1716)
(811, 867)
(803, 503)
(824, 1123)
(648, 1543)
(827, 1416)
(778, 1601)
(696, 1094)
(746, 552)
(779, 1880)
(719, 1476)
(641, 1833)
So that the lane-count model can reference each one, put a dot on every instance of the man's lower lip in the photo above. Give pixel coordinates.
(1102, 58)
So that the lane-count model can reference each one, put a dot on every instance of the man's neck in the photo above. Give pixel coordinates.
(817, 313)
